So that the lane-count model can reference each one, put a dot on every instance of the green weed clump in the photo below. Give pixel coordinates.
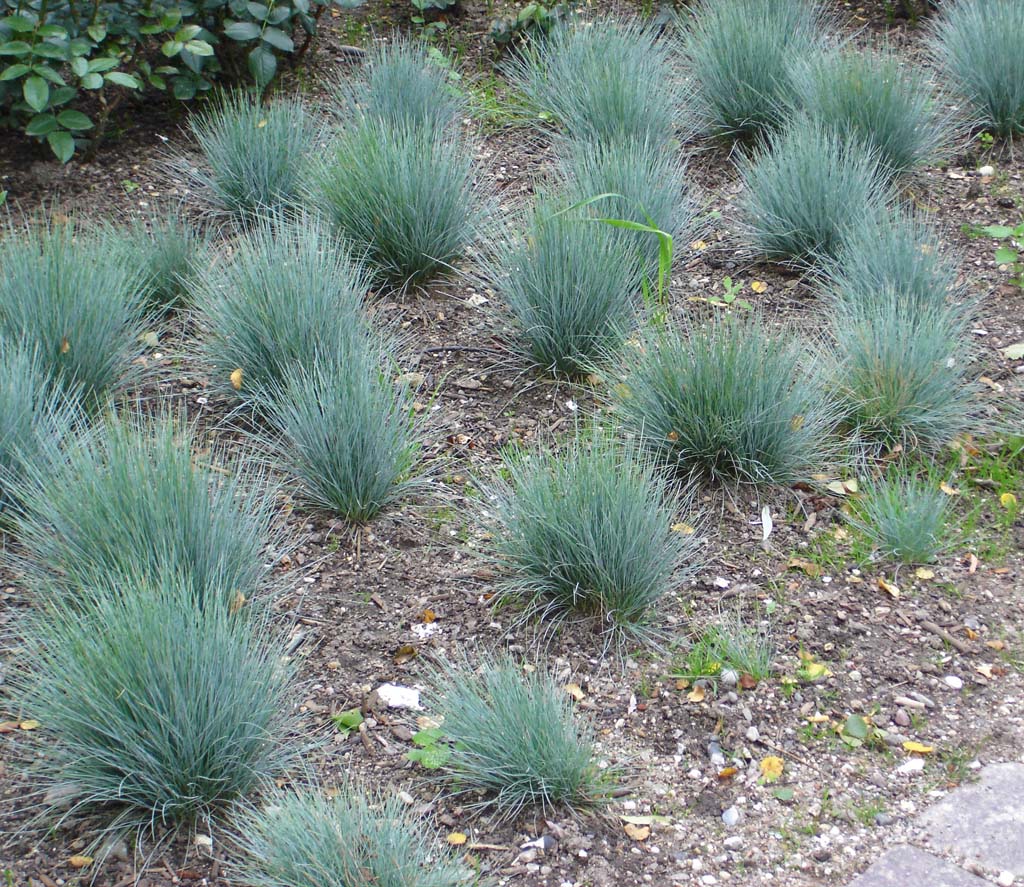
(874, 99)
(651, 183)
(400, 84)
(308, 839)
(604, 81)
(731, 642)
(153, 711)
(741, 56)
(900, 254)
(63, 297)
(977, 46)
(805, 190)
(403, 195)
(33, 418)
(133, 498)
(905, 516)
(255, 154)
(516, 739)
(590, 533)
(902, 374)
(732, 402)
(290, 292)
(168, 249)
(572, 286)
(347, 431)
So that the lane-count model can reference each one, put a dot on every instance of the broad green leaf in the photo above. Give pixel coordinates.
(62, 145)
(262, 65)
(48, 74)
(1006, 255)
(122, 79)
(199, 47)
(427, 737)
(347, 721)
(242, 30)
(97, 32)
(92, 81)
(53, 31)
(171, 48)
(19, 24)
(856, 727)
(104, 63)
(14, 72)
(278, 39)
(74, 120)
(41, 125)
(37, 92)
(999, 231)
(15, 47)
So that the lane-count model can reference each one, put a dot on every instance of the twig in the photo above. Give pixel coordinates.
(938, 631)
(487, 847)
(473, 349)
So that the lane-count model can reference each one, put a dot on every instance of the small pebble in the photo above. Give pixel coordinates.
(733, 842)
(987, 171)
(953, 682)
(731, 816)
(1005, 879)
(822, 854)
(901, 718)
(729, 678)
(753, 734)
(883, 819)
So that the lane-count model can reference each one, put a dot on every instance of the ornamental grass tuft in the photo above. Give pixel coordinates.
(806, 190)
(572, 286)
(154, 712)
(516, 739)
(300, 839)
(740, 56)
(731, 402)
(976, 44)
(590, 532)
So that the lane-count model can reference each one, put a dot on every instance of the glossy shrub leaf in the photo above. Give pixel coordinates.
(242, 30)
(62, 144)
(278, 39)
(74, 120)
(37, 92)
(14, 72)
(262, 65)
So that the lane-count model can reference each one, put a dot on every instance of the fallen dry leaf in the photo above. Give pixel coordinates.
(236, 379)
(684, 529)
(727, 772)
(697, 694)
(890, 589)
(637, 832)
(575, 691)
(995, 645)
(772, 767)
(985, 670)
(65, 345)
(811, 569)
(428, 616)
(237, 602)
(924, 573)
(917, 748)
(758, 286)
(404, 654)
(747, 681)
(1008, 501)
(948, 490)
(30, 724)
(972, 635)
(457, 839)
(79, 862)
(8, 726)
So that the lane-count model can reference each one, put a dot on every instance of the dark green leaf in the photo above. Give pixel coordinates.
(171, 48)
(104, 63)
(122, 79)
(48, 74)
(278, 39)
(242, 30)
(15, 47)
(14, 72)
(92, 81)
(62, 145)
(74, 120)
(262, 65)
(97, 32)
(19, 24)
(200, 48)
(53, 31)
(257, 10)
(41, 125)
(37, 92)
(184, 89)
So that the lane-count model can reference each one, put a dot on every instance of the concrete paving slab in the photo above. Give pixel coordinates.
(905, 866)
(983, 822)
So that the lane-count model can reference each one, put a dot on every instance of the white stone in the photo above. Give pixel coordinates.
(911, 766)
(731, 816)
(396, 696)
(987, 170)
(953, 682)
(1005, 879)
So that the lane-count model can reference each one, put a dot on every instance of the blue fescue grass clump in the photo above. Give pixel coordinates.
(875, 99)
(902, 371)
(347, 431)
(650, 181)
(976, 43)
(731, 402)
(603, 81)
(805, 190)
(350, 840)
(590, 532)
(516, 738)
(154, 712)
(132, 498)
(400, 84)
(403, 195)
(255, 153)
(63, 297)
(290, 291)
(740, 55)
(572, 286)
(168, 249)
(900, 253)
(905, 516)
(33, 418)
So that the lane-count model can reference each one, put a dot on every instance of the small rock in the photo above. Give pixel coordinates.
(883, 819)
(986, 170)
(406, 798)
(469, 383)
(413, 380)
(753, 734)
(729, 678)
(911, 766)
(953, 682)
(731, 816)
(1005, 879)
(821, 854)
(855, 675)
(733, 842)
(395, 696)
(113, 848)
(901, 718)
(204, 842)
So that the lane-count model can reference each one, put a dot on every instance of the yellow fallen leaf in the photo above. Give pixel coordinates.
(637, 832)
(1008, 501)
(697, 694)
(457, 839)
(758, 286)
(673, 436)
(683, 528)
(948, 490)
(851, 485)
(924, 573)
(772, 767)
(79, 862)
(261, 124)
(985, 670)
(575, 691)
(972, 635)
(916, 748)
(995, 645)
(796, 423)
(890, 589)
(811, 569)
(995, 386)
(841, 534)
(837, 487)
(30, 724)
(237, 602)
(698, 245)
(682, 684)
(236, 379)
(727, 772)
(65, 345)
(819, 719)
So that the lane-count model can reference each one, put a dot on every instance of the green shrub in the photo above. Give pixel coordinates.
(308, 839)
(878, 101)
(63, 297)
(57, 54)
(348, 432)
(255, 154)
(288, 293)
(977, 45)
(604, 81)
(153, 711)
(516, 739)
(589, 533)
(740, 55)
(652, 184)
(402, 85)
(733, 402)
(130, 498)
(403, 195)
(168, 249)
(899, 253)
(808, 188)
(33, 417)
(902, 371)
(905, 517)
(572, 287)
